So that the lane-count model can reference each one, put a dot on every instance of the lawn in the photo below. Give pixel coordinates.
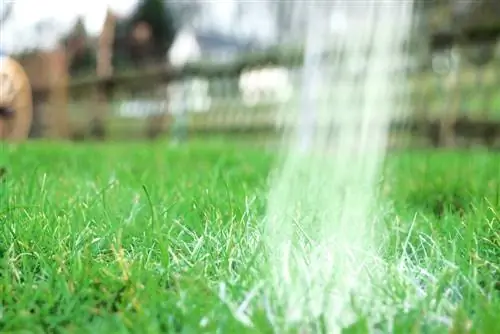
(149, 238)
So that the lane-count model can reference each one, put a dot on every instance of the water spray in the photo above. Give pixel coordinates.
(322, 229)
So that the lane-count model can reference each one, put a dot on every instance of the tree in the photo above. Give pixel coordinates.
(155, 14)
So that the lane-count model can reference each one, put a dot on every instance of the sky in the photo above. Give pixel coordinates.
(20, 30)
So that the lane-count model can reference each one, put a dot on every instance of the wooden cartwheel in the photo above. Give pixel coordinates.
(16, 104)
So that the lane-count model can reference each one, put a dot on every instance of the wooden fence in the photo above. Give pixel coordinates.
(461, 108)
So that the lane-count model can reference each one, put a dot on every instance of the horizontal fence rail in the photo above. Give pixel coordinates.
(253, 96)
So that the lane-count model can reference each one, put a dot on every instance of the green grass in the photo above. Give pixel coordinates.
(109, 238)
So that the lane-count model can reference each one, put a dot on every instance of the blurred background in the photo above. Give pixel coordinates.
(156, 69)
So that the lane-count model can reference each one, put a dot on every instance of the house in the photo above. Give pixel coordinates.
(263, 85)
(191, 45)
(270, 84)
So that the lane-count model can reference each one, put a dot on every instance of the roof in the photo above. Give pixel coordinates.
(214, 40)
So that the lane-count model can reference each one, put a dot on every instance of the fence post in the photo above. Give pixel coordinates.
(157, 116)
(49, 70)
(58, 98)
(97, 128)
(447, 135)
(156, 122)
(179, 129)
